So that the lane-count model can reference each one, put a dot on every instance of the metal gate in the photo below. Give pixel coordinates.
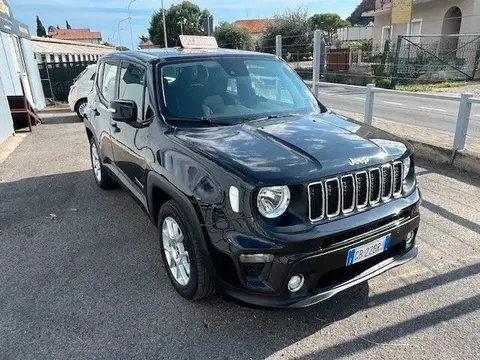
(436, 58)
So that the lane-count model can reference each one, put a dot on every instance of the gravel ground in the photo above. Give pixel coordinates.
(81, 277)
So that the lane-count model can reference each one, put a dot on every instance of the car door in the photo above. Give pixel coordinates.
(129, 140)
(106, 90)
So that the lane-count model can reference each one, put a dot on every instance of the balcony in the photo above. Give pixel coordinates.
(385, 6)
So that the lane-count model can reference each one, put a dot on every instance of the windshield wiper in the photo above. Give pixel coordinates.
(201, 120)
(276, 116)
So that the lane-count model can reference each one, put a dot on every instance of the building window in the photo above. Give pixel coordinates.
(414, 30)
(386, 35)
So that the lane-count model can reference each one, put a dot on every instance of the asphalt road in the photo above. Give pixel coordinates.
(431, 113)
(81, 277)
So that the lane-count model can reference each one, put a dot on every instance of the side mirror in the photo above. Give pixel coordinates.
(123, 111)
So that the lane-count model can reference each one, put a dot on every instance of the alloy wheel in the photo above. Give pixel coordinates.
(174, 248)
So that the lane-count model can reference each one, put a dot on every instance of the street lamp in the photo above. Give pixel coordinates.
(118, 29)
(164, 27)
(130, 17)
(119, 40)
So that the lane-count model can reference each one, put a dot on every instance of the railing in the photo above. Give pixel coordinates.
(465, 101)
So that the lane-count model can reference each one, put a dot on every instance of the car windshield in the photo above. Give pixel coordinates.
(234, 89)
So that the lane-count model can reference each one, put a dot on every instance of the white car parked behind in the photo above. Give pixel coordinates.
(82, 85)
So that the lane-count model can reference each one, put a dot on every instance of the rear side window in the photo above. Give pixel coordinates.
(132, 85)
(108, 81)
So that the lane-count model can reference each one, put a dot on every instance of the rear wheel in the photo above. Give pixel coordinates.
(102, 177)
(181, 253)
(80, 108)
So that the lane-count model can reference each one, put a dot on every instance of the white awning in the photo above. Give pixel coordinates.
(53, 46)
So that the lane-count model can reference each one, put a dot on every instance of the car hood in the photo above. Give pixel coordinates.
(294, 149)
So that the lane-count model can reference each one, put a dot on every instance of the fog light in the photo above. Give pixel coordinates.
(296, 282)
(409, 238)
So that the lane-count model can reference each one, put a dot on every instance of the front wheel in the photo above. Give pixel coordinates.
(181, 253)
(102, 178)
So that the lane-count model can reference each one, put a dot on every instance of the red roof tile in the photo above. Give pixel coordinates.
(75, 34)
(253, 26)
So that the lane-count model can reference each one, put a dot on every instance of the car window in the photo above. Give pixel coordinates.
(108, 81)
(234, 89)
(79, 76)
(92, 78)
(132, 85)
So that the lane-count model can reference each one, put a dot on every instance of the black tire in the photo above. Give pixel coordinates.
(77, 107)
(105, 181)
(200, 284)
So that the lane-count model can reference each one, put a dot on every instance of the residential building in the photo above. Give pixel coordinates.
(147, 45)
(255, 27)
(429, 17)
(79, 35)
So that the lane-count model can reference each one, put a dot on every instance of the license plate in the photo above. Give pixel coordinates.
(367, 251)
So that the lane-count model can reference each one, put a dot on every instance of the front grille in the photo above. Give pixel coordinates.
(345, 194)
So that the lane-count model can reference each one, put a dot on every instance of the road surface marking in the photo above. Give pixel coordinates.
(392, 103)
(432, 109)
(359, 98)
(477, 115)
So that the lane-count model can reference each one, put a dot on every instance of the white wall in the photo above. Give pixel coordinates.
(33, 75)
(6, 122)
(11, 81)
(355, 33)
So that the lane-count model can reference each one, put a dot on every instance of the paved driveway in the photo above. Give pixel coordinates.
(81, 277)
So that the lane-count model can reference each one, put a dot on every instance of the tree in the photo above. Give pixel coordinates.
(329, 24)
(233, 37)
(122, 48)
(356, 17)
(106, 43)
(58, 27)
(143, 38)
(67, 24)
(297, 38)
(51, 29)
(40, 28)
(187, 13)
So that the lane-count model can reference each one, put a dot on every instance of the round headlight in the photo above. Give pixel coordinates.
(406, 167)
(273, 201)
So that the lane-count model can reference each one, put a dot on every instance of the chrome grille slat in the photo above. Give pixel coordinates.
(387, 182)
(362, 203)
(375, 177)
(348, 186)
(348, 193)
(333, 194)
(397, 179)
(313, 199)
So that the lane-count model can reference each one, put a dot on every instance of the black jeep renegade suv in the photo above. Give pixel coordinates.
(257, 189)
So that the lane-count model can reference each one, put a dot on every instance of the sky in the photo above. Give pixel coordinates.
(104, 15)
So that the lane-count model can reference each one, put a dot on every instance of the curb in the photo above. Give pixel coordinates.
(53, 110)
(464, 160)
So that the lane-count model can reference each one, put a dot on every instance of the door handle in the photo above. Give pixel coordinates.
(115, 127)
(95, 112)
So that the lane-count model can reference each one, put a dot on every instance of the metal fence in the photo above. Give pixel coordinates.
(465, 101)
(435, 57)
(58, 77)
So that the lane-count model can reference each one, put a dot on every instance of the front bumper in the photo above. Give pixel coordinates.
(316, 296)
(324, 268)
